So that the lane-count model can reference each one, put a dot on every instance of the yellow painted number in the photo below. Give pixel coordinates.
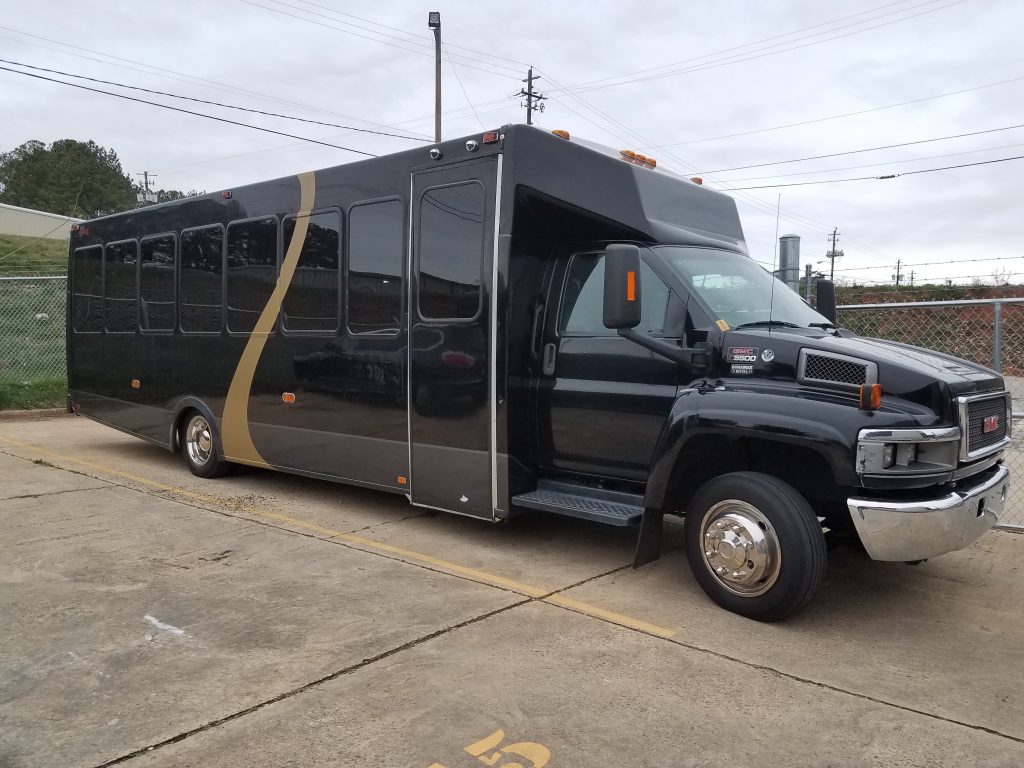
(489, 752)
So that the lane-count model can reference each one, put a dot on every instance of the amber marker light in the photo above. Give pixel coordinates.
(403, 480)
(631, 286)
(561, 134)
(288, 397)
(870, 397)
(136, 384)
(696, 179)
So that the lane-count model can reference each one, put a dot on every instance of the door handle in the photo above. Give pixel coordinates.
(549, 359)
(538, 313)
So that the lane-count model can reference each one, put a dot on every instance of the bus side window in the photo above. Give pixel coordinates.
(202, 268)
(375, 259)
(311, 303)
(252, 271)
(451, 251)
(119, 286)
(156, 283)
(87, 282)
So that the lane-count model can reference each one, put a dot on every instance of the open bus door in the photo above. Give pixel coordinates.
(450, 347)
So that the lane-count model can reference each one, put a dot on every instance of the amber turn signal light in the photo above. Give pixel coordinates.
(288, 397)
(870, 397)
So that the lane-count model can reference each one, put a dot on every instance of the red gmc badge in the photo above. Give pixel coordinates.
(990, 424)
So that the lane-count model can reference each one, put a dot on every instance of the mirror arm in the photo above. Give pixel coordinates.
(697, 356)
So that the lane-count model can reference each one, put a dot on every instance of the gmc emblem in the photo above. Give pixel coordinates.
(990, 424)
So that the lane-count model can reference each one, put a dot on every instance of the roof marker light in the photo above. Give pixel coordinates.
(490, 137)
(561, 134)
(226, 194)
(696, 179)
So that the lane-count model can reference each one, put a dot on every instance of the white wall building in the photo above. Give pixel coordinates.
(29, 223)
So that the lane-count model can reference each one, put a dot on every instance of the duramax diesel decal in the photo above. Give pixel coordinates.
(237, 440)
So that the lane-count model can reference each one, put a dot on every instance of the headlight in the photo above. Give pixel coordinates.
(907, 451)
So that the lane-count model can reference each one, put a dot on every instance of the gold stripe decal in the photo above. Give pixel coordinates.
(235, 435)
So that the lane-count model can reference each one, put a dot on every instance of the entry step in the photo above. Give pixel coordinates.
(609, 507)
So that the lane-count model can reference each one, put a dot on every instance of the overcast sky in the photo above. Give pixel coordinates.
(664, 77)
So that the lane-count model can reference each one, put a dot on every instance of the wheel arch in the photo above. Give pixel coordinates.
(181, 409)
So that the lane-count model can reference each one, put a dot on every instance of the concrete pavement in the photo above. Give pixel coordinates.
(153, 618)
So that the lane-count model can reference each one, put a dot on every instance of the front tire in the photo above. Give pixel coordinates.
(755, 545)
(200, 448)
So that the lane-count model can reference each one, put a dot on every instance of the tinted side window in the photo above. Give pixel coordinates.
(156, 283)
(120, 287)
(451, 251)
(311, 303)
(583, 303)
(252, 271)
(202, 266)
(87, 277)
(375, 258)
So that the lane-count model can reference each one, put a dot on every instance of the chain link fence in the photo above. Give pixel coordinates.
(32, 347)
(986, 331)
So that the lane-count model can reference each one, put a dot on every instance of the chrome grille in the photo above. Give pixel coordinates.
(977, 412)
(820, 368)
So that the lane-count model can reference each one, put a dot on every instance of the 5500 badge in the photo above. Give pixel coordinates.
(741, 355)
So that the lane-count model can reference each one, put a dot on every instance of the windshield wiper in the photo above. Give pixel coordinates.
(823, 326)
(768, 324)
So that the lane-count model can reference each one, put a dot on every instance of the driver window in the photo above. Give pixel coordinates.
(583, 299)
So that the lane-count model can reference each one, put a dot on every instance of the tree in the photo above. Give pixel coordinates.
(72, 178)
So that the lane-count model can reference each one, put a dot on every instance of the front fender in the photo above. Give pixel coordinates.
(821, 422)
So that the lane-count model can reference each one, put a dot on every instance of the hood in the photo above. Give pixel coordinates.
(920, 375)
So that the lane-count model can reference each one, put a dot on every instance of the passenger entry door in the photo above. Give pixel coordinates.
(450, 348)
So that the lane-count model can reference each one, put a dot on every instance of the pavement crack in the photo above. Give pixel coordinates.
(310, 685)
(54, 493)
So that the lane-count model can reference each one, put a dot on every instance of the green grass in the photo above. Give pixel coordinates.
(46, 256)
(44, 393)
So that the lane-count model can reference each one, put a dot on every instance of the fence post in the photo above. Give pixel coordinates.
(997, 337)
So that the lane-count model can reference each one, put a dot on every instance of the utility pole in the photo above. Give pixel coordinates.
(434, 23)
(145, 197)
(899, 274)
(911, 278)
(833, 254)
(533, 100)
(807, 282)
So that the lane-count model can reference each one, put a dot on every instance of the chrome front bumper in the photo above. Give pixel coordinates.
(916, 530)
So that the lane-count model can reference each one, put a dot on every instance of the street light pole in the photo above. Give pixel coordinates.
(434, 23)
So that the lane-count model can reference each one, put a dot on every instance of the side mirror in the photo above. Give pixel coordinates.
(621, 286)
(826, 299)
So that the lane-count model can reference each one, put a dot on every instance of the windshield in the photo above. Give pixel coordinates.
(737, 289)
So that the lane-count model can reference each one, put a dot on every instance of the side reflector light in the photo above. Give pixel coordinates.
(561, 134)
(402, 480)
(870, 397)
(288, 397)
(490, 137)
(631, 286)
(136, 384)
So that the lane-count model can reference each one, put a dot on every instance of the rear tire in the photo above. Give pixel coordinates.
(755, 545)
(200, 447)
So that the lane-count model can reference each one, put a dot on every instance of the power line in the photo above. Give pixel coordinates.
(582, 88)
(211, 103)
(419, 50)
(837, 117)
(170, 74)
(464, 92)
(870, 149)
(879, 178)
(189, 112)
(932, 263)
(876, 165)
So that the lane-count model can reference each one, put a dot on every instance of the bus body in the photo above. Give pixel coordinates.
(440, 323)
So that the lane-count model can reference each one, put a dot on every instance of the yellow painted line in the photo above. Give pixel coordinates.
(610, 616)
(473, 574)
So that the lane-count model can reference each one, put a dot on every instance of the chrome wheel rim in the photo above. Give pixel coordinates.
(740, 548)
(199, 441)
